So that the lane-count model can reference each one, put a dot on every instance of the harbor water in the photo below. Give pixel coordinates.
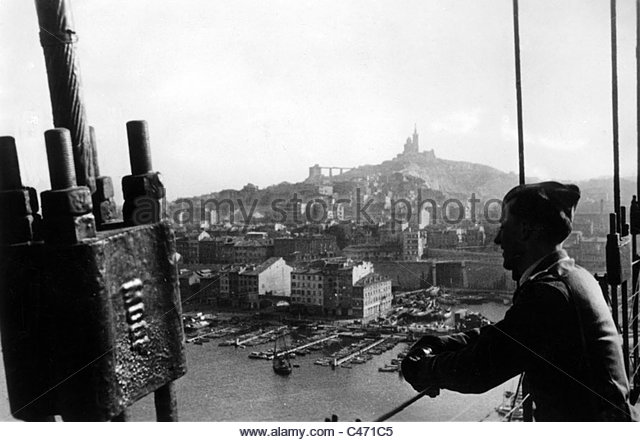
(223, 384)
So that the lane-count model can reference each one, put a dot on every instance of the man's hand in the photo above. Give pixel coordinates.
(416, 369)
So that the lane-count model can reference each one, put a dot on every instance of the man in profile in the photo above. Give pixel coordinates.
(559, 331)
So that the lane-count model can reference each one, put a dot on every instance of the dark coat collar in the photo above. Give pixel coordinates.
(550, 260)
(547, 262)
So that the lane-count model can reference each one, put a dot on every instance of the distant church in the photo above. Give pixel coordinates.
(412, 146)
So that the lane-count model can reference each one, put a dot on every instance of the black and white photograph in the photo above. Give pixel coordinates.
(328, 219)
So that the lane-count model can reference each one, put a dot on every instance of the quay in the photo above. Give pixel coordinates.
(211, 333)
(337, 362)
(308, 344)
(252, 338)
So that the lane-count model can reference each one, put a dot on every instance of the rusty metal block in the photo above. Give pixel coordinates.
(619, 259)
(69, 229)
(148, 184)
(103, 202)
(19, 230)
(73, 201)
(142, 210)
(67, 215)
(106, 211)
(19, 219)
(104, 188)
(142, 198)
(118, 334)
(19, 202)
(89, 329)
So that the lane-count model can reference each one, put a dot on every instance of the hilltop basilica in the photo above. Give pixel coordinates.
(412, 147)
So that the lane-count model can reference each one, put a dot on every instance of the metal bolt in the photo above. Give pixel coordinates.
(62, 172)
(94, 148)
(9, 167)
(139, 149)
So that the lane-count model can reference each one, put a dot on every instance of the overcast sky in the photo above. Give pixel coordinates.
(259, 90)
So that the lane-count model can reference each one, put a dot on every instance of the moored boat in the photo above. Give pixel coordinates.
(281, 362)
(389, 368)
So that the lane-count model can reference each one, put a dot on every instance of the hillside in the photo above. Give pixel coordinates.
(449, 177)
(402, 176)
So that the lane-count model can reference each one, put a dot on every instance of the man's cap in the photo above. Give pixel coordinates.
(549, 201)
(562, 197)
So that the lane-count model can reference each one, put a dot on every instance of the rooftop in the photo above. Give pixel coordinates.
(370, 279)
(262, 267)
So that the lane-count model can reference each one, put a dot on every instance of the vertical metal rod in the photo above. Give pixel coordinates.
(9, 167)
(638, 97)
(634, 305)
(614, 109)
(516, 41)
(139, 147)
(614, 304)
(94, 148)
(625, 325)
(60, 158)
(613, 237)
(635, 289)
(58, 38)
(634, 326)
(166, 403)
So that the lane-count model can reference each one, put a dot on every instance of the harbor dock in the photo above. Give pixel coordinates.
(308, 344)
(337, 362)
(239, 342)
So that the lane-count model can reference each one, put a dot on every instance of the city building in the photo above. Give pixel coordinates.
(218, 250)
(373, 252)
(225, 292)
(209, 289)
(442, 239)
(412, 245)
(589, 253)
(256, 235)
(327, 285)
(307, 286)
(188, 249)
(189, 284)
(341, 275)
(473, 237)
(271, 278)
(325, 189)
(293, 212)
(251, 251)
(305, 248)
(208, 251)
(371, 297)
(591, 224)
